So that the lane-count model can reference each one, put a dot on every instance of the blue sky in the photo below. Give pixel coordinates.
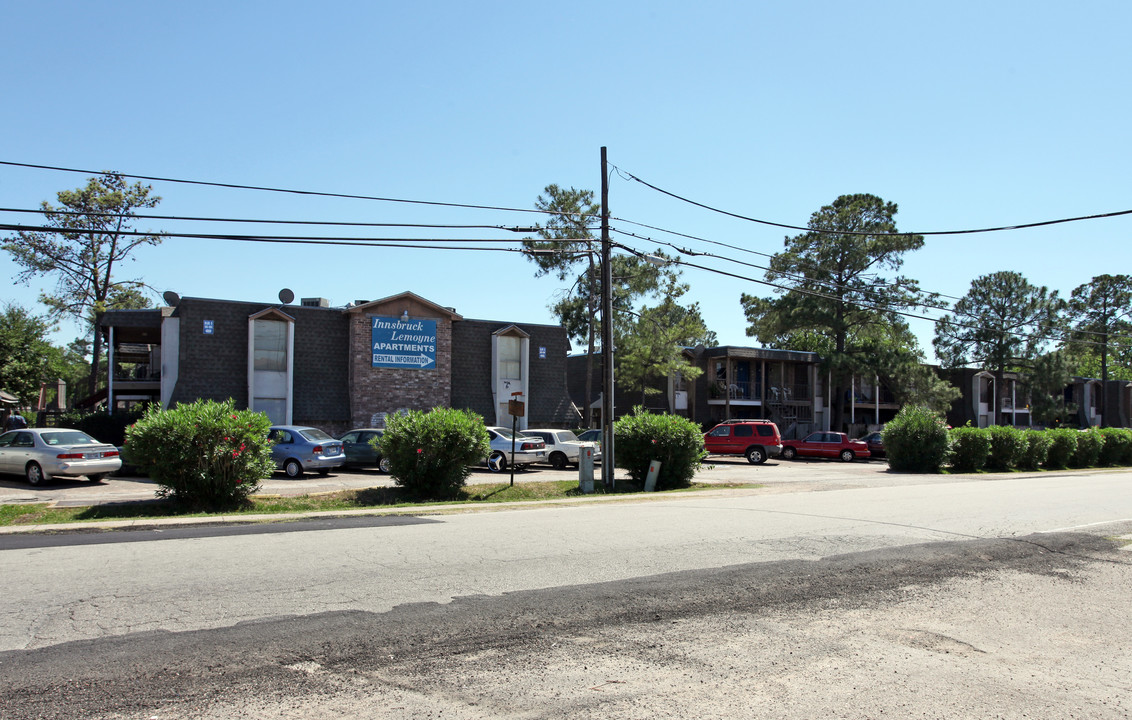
(965, 114)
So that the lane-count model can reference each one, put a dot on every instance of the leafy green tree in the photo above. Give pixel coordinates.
(1099, 310)
(81, 245)
(1001, 324)
(654, 348)
(26, 357)
(1045, 384)
(567, 249)
(833, 298)
(567, 243)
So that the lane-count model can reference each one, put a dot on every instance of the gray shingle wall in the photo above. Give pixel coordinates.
(549, 401)
(215, 367)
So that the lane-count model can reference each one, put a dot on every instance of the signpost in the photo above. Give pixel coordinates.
(515, 408)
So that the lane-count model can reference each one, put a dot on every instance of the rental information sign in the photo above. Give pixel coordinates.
(404, 343)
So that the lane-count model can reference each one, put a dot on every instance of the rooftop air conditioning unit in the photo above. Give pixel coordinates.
(315, 302)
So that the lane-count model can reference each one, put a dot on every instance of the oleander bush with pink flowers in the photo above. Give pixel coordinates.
(205, 455)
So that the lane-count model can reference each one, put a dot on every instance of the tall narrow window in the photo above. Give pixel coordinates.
(511, 357)
(271, 345)
(269, 376)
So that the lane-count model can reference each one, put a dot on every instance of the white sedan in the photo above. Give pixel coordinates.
(562, 447)
(42, 453)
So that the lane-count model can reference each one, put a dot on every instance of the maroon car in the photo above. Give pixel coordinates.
(825, 444)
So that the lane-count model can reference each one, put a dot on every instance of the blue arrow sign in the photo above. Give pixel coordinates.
(400, 343)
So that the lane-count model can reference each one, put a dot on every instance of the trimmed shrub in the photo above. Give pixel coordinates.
(916, 441)
(1038, 443)
(970, 447)
(431, 453)
(675, 441)
(1089, 445)
(204, 455)
(1007, 447)
(1063, 446)
(1117, 449)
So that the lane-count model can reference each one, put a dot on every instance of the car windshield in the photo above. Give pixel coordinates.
(506, 434)
(67, 437)
(314, 435)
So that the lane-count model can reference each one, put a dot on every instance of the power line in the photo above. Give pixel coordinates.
(341, 223)
(262, 188)
(1023, 226)
(1062, 337)
(284, 239)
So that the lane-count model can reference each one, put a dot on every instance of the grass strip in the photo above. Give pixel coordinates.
(376, 497)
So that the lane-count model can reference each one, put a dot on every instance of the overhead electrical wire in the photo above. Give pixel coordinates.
(801, 278)
(292, 239)
(1061, 337)
(263, 188)
(416, 243)
(341, 223)
(1020, 226)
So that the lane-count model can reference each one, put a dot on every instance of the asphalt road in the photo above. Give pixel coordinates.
(882, 595)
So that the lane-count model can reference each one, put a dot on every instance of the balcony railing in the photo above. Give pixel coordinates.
(736, 390)
(140, 372)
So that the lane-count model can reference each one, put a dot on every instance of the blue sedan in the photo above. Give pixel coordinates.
(298, 449)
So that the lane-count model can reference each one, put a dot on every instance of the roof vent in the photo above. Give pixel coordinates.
(315, 302)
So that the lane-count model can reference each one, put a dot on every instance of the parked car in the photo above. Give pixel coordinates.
(593, 436)
(825, 444)
(298, 449)
(875, 441)
(755, 439)
(562, 447)
(42, 453)
(360, 452)
(528, 450)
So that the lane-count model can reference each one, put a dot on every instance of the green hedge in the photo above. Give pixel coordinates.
(1062, 448)
(673, 440)
(1008, 447)
(204, 455)
(970, 448)
(431, 453)
(916, 441)
(1038, 443)
(1089, 445)
(1117, 449)
(1003, 448)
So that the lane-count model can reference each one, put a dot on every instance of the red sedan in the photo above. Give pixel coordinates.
(825, 444)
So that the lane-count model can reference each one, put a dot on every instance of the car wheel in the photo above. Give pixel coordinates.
(96, 478)
(293, 469)
(756, 455)
(789, 453)
(847, 456)
(323, 472)
(34, 474)
(558, 461)
(497, 462)
(383, 465)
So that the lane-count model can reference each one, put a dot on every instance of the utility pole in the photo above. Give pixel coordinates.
(607, 458)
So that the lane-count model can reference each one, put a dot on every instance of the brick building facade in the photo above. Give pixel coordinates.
(311, 364)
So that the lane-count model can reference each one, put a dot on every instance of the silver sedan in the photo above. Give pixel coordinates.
(42, 453)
